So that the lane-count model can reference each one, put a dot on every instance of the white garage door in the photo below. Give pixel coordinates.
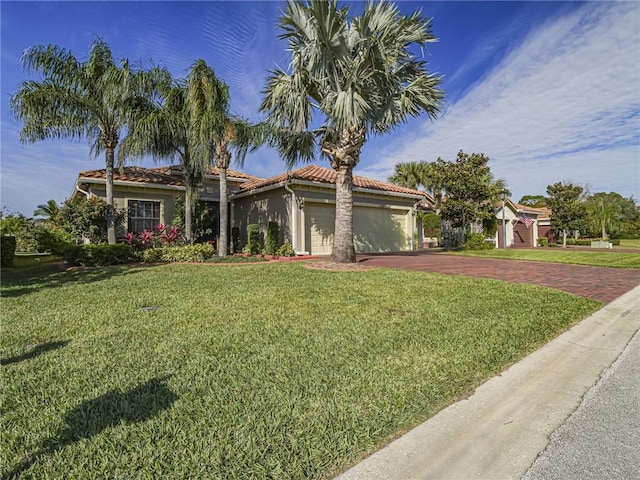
(375, 229)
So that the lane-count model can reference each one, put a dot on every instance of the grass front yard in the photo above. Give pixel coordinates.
(561, 255)
(248, 371)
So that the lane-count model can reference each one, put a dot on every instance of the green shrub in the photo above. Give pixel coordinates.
(490, 225)
(52, 239)
(273, 235)
(7, 250)
(102, 254)
(543, 242)
(87, 218)
(286, 250)
(254, 245)
(475, 241)
(586, 242)
(201, 252)
(431, 224)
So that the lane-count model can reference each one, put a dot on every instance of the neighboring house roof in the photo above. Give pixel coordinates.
(517, 208)
(170, 175)
(326, 176)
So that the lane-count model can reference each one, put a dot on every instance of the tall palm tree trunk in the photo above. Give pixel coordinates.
(188, 207)
(343, 250)
(224, 213)
(111, 224)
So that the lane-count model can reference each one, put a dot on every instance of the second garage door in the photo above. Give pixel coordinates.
(375, 229)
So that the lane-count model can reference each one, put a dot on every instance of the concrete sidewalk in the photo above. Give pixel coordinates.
(499, 431)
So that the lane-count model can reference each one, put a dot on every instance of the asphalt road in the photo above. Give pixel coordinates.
(601, 439)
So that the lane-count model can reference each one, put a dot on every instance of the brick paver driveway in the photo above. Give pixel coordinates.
(599, 283)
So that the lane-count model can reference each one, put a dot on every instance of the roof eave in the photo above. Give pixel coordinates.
(125, 183)
(311, 183)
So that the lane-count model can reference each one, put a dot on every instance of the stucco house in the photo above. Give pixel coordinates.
(523, 225)
(302, 201)
(149, 194)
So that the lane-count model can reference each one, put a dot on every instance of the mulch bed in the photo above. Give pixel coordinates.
(338, 267)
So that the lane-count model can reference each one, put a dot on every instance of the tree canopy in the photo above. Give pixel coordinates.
(568, 212)
(75, 100)
(470, 190)
(533, 201)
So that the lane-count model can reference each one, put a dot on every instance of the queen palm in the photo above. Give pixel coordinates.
(219, 133)
(47, 210)
(360, 75)
(162, 128)
(76, 100)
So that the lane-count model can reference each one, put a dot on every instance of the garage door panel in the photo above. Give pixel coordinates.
(319, 225)
(375, 229)
(379, 229)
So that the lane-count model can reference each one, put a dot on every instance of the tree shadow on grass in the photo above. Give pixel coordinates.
(21, 282)
(34, 352)
(92, 417)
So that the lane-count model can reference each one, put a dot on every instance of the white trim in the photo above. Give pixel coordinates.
(134, 199)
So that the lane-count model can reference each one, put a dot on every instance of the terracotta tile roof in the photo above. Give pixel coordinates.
(538, 211)
(169, 175)
(136, 174)
(213, 171)
(314, 173)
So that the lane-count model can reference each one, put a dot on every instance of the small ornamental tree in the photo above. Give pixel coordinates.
(470, 190)
(568, 213)
(87, 218)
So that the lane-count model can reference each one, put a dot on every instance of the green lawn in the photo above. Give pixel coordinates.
(630, 243)
(561, 255)
(32, 259)
(245, 371)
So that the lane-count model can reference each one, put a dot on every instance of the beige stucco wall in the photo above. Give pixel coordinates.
(122, 194)
(262, 208)
(277, 205)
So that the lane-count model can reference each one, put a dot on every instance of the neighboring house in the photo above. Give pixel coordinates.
(302, 201)
(523, 225)
(149, 194)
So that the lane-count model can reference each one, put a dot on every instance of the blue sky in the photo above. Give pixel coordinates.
(550, 91)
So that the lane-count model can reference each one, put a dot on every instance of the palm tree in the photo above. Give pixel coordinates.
(47, 210)
(419, 174)
(163, 129)
(78, 100)
(362, 78)
(219, 133)
(605, 213)
(410, 174)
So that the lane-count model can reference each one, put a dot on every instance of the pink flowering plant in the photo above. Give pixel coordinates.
(162, 235)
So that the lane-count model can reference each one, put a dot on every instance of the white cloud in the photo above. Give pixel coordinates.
(565, 104)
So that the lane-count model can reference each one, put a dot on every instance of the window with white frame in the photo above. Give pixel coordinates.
(143, 215)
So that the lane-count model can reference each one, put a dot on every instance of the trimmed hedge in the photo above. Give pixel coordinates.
(7, 250)
(586, 242)
(98, 255)
(273, 235)
(254, 236)
(201, 252)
